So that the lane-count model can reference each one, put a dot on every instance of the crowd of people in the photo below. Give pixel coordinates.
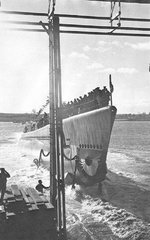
(41, 121)
(95, 99)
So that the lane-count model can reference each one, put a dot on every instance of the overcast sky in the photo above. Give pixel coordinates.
(87, 61)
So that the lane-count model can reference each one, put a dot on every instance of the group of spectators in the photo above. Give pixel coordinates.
(95, 99)
(41, 121)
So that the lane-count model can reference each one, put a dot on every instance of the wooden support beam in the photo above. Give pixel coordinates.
(124, 1)
(24, 196)
(75, 16)
(24, 13)
(25, 30)
(44, 27)
(102, 18)
(34, 195)
(106, 33)
(28, 219)
(15, 190)
(68, 25)
(82, 32)
(104, 27)
(24, 23)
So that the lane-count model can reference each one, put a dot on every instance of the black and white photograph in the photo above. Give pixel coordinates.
(75, 120)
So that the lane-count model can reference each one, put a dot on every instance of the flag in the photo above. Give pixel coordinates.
(110, 84)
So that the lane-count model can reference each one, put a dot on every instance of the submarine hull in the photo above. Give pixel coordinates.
(86, 141)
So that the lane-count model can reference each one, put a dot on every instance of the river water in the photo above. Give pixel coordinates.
(122, 211)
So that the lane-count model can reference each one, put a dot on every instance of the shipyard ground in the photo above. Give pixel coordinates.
(26, 215)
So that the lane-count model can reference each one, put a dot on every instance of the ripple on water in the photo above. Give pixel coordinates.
(101, 220)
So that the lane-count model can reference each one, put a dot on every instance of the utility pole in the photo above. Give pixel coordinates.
(57, 186)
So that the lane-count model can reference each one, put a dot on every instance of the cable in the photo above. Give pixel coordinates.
(38, 161)
(70, 159)
(51, 12)
(49, 7)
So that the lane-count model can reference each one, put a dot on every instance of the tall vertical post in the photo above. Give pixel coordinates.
(57, 185)
(111, 89)
(52, 117)
(61, 143)
(61, 218)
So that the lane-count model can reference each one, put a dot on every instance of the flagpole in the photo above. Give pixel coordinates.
(110, 85)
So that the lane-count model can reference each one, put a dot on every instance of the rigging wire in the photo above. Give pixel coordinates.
(51, 8)
(38, 161)
(118, 16)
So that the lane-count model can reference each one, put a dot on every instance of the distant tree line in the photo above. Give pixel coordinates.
(134, 117)
(16, 117)
(27, 117)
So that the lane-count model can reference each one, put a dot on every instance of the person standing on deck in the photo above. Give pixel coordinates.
(3, 181)
(40, 186)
